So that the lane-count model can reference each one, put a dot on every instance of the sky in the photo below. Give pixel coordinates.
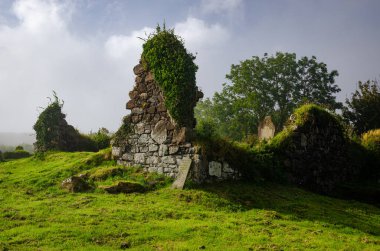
(85, 50)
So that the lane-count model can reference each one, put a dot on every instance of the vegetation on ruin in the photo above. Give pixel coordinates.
(37, 214)
(174, 70)
(54, 133)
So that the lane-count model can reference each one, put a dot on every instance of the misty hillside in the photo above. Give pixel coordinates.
(14, 139)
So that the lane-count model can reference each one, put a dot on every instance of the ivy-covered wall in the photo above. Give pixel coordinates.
(173, 68)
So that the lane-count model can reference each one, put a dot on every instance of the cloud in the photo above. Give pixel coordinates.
(198, 34)
(220, 6)
(119, 46)
(39, 54)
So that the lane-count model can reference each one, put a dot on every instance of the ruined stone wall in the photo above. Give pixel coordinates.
(155, 141)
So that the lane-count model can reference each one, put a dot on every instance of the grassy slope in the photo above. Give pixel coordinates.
(36, 213)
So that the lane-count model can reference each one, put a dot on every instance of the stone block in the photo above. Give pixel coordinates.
(138, 69)
(140, 128)
(163, 150)
(215, 169)
(173, 149)
(139, 158)
(159, 132)
(130, 105)
(227, 168)
(137, 110)
(116, 151)
(144, 139)
(143, 149)
(144, 96)
(151, 110)
(152, 160)
(153, 148)
(128, 156)
(168, 160)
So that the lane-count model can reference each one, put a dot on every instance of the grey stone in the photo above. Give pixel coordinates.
(153, 148)
(152, 160)
(138, 69)
(163, 150)
(137, 110)
(143, 149)
(173, 149)
(140, 128)
(140, 158)
(168, 160)
(227, 168)
(144, 139)
(128, 156)
(116, 151)
(183, 173)
(215, 169)
(159, 132)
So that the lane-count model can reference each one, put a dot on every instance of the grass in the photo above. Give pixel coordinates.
(36, 214)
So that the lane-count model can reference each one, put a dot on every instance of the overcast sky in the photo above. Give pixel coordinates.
(85, 49)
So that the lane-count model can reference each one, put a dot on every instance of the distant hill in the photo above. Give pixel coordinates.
(14, 139)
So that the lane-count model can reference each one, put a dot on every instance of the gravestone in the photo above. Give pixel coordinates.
(184, 169)
(266, 129)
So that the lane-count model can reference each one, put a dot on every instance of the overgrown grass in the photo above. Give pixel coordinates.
(36, 214)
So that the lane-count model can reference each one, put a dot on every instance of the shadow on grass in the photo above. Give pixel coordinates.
(298, 204)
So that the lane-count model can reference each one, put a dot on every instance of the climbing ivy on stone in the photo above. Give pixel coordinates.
(174, 70)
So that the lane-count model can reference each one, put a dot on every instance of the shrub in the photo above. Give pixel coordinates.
(371, 141)
(18, 154)
(19, 148)
(101, 138)
(174, 70)
(1, 157)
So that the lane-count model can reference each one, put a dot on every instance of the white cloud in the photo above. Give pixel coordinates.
(39, 54)
(119, 46)
(198, 34)
(219, 6)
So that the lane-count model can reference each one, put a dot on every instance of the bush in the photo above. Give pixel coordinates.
(1, 157)
(101, 138)
(18, 154)
(371, 142)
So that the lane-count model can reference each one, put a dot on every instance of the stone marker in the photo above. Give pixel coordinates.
(183, 173)
(266, 129)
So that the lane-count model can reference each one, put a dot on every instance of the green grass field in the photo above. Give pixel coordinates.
(36, 214)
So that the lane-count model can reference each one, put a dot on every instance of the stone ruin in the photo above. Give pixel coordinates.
(156, 142)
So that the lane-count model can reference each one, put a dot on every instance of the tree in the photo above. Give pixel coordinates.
(271, 85)
(363, 109)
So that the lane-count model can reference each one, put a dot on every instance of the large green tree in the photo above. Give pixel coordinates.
(271, 85)
(363, 109)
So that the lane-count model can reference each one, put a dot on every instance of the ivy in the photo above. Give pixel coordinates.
(174, 70)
